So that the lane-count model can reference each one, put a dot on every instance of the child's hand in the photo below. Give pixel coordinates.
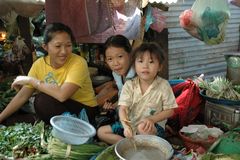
(128, 132)
(147, 125)
(109, 105)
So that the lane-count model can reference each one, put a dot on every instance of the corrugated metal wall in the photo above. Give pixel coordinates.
(189, 56)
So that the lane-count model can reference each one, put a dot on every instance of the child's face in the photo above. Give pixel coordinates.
(118, 60)
(147, 67)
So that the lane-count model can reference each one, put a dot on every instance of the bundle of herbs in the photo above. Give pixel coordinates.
(60, 150)
(220, 88)
(23, 140)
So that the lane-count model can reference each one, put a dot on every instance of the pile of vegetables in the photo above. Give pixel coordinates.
(23, 139)
(27, 141)
(212, 156)
(6, 93)
(221, 88)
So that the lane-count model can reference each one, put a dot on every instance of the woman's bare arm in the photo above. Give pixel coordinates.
(18, 101)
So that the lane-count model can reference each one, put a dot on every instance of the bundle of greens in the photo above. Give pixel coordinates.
(60, 150)
(221, 88)
(23, 139)
(212, 156)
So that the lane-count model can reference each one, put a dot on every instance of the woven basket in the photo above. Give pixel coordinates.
(195, 144)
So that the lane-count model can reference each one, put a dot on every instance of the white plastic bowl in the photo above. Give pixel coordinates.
(71, 130)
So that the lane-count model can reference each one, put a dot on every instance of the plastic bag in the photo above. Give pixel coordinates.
(155, 20)
(82, 115)
(188, 102)
(235, 2)
(206, 20)
(159, 21)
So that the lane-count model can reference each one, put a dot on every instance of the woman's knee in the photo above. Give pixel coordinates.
(43, 98)
(46, 107)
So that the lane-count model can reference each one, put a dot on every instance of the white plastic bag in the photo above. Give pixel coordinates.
(206, 20)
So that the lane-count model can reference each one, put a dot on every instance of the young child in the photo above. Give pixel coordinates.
(145, 101)
(117, 51)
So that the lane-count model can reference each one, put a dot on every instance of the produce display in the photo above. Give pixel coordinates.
(23, 139)
(6, 93)
(221, 88)
(60, 150)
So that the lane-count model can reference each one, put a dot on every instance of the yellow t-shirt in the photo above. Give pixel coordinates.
(75, 70)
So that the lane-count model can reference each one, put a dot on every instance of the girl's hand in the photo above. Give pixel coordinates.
(20, 81)
(108, 105)
(148, 125)
(128, 132)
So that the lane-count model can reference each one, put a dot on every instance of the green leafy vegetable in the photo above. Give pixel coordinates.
(22, 140)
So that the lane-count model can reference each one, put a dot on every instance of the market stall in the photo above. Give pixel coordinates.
(207, 116)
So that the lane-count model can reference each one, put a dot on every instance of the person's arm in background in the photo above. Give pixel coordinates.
(107, 95)
(21, 97)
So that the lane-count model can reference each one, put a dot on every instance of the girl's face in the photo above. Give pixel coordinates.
(59, 49)
(147, 67)
(118, 60)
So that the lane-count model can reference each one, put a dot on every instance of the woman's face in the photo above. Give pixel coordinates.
(118, 60)
(59, 49)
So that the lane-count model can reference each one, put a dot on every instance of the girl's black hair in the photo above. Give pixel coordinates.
(151, 47)
(56, 27)
(118, 41)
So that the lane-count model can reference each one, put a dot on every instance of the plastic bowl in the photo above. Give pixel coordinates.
(71, 130)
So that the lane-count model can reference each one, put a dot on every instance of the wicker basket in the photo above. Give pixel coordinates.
(195, 144)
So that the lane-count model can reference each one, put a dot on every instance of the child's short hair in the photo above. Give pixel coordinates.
(118, 41)
(152, 47)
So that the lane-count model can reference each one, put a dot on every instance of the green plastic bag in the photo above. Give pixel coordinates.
(210, 18)
(228, 143)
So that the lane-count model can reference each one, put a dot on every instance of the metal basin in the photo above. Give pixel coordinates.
(148, 147)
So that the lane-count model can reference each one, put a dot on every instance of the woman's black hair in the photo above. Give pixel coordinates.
(118, 41)
(151, 47)
(56, 27)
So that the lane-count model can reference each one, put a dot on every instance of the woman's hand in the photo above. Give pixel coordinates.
(21, 81)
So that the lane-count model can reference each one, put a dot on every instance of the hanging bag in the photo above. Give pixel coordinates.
(206, 20)
(235, 2)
